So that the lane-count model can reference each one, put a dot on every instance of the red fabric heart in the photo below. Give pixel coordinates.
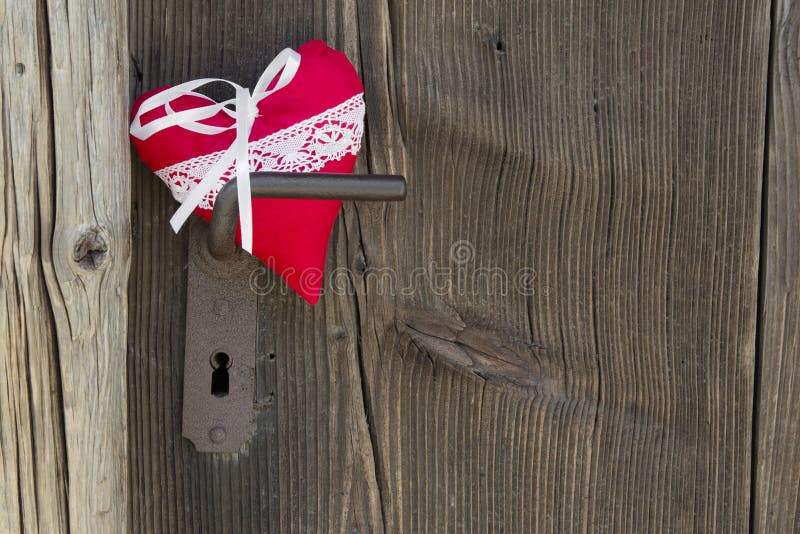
(314, 124)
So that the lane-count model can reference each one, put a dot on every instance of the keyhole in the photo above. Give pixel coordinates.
(219, 378)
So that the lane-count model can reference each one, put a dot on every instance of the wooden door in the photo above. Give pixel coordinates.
(581, 319)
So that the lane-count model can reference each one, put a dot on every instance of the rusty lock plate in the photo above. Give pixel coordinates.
(219, 363)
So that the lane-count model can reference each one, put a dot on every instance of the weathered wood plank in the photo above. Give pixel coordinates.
(777, 493)
(32, 456)
(65, 240)
(606, 157)
(309, 468)
(87, 260)
(610, 153)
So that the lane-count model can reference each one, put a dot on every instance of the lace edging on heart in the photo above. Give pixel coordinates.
(303, 147)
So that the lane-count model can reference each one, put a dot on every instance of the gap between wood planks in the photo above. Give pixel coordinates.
(764, 221)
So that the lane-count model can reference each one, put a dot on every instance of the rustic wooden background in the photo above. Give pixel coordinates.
(633, 166)
(65, 244)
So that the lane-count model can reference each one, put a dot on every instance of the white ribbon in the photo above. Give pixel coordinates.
(245, 111)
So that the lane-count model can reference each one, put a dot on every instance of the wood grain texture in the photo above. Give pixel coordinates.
(66, 243)
(554, 333)
(611, 153)
(32, 457)
(309, 468)
(777, 493)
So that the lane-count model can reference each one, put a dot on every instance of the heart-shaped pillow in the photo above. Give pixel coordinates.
(313, 123)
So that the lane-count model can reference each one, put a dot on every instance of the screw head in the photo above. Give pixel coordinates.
(217, 434)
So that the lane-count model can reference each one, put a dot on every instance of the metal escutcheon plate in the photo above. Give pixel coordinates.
(220, 332)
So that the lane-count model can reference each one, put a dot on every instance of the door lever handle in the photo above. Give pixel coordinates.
(225, 216)
(220, 354)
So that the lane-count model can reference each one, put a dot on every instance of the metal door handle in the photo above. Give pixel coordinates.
(225, 216)
(221, 419)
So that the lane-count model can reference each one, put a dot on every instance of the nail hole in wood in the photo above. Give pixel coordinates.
(19, 68)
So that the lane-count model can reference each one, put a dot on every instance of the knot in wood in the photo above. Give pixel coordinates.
(360, 264)
(338, 333)
(91, 249)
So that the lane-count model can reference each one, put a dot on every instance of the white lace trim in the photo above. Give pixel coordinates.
(303, 147)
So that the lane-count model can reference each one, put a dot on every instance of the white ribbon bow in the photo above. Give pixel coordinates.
(245, 111)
